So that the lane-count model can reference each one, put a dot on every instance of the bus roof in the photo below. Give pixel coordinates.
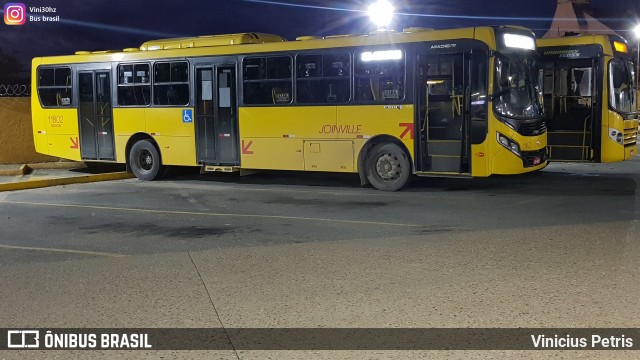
(211, 40)
(247, 43)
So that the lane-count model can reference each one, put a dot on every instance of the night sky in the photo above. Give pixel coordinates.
(116, 24)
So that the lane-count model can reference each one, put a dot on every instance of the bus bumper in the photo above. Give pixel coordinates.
(507, 163)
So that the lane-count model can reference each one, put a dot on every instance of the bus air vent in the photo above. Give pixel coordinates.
(211, 40)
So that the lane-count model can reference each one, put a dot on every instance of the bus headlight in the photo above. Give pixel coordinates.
(616, 135)
(509, 144)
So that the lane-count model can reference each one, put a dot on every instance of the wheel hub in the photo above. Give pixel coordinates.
(145, 160)
(388, 167)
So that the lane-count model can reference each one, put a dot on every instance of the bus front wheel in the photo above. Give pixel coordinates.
(388, 167)
(144, 160)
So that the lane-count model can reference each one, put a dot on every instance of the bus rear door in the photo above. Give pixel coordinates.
(217, 114)
(95, 115)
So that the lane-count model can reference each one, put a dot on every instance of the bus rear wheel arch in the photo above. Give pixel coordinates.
(387, 167)
(144, 160)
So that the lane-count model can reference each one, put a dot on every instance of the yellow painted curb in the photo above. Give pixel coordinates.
(33, 184)
(57, 165)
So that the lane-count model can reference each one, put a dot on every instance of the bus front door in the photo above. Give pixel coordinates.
(443, 118)
(574, 116)
(95, 115)
(216, 115)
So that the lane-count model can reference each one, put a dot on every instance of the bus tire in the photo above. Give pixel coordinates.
(144, 160)
(388, 167)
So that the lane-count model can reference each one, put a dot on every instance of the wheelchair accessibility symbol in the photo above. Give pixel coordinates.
(187, 116)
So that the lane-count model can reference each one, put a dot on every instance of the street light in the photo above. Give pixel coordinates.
(381, 13)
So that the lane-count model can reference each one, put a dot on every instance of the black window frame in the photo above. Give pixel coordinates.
(119, 85)
(265, 79)
(68, 87)
(322, 77)
(155, 83)
(357, 54)
(611, 86)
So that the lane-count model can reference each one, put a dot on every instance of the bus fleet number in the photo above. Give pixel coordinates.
(56, 120)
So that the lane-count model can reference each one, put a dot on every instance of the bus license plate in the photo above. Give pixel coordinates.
(536, 160)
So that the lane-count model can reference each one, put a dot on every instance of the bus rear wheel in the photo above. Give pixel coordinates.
(144, 160)
(388, 167)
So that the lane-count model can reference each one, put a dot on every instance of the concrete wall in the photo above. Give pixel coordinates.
(16, 136)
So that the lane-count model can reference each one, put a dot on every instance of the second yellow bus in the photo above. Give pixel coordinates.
(590, 98)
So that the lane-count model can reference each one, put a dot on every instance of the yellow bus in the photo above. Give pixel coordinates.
(386, 105)
(589, 95)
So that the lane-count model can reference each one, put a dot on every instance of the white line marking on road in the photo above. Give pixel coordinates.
(173, 212)
(364, 192)
(68, 251)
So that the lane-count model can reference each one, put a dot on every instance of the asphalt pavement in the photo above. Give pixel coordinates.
(553, 249)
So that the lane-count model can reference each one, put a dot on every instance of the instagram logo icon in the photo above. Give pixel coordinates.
(14, 13)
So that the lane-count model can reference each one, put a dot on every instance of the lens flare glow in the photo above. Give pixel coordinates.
(381, 13)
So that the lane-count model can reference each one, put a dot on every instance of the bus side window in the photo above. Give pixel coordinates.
(267, 80)
(54, 86)
(134, 88)
(171, 83)
(323, 78)
(380, 76)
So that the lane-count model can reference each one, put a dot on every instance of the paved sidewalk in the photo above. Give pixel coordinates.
(29, 176)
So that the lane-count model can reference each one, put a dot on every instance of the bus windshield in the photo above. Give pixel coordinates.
(622, 92)
(516, 92)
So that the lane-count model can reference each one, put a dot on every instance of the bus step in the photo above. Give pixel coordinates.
(567, 138)
(444, 174)
(218, 168)
(565, 153)
(445, 147)
(449, 164)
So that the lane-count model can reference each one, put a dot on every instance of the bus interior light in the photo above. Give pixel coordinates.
(519, 41)
(381, 55)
